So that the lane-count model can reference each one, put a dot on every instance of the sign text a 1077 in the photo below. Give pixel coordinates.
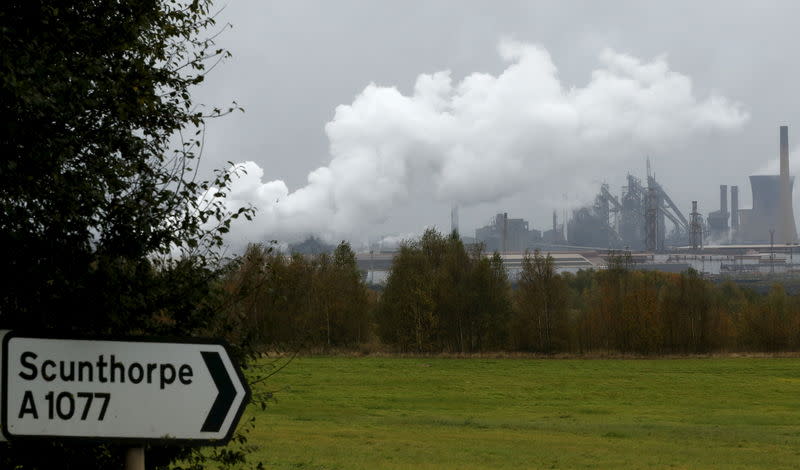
(119, 389)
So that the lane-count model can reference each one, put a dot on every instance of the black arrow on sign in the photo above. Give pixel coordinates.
(226, 392)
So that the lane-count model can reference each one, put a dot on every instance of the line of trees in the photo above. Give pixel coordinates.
(297, 300)
(443, 296)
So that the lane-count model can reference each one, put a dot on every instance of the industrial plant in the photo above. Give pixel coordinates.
(505, 234)
(643, 222)
(643, 217)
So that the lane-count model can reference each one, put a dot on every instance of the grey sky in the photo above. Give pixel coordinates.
(295, 61)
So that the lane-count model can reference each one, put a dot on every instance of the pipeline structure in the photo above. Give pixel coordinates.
(636, 220)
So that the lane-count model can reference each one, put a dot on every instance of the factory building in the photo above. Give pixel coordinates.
(718, 220)
(554, 236)
(505, 234)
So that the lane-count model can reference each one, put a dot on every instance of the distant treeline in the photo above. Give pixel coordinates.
(441, 296)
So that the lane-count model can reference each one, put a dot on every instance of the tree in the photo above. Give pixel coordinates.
(455, 308)
(772, 323)
(406, 313)
(643, 322)
(300, 302)
(541, 322)
(440, 296)
(350, 300)
(603, 323)
(251, 280)
(105, 226)
(490, 302)
(687, 309)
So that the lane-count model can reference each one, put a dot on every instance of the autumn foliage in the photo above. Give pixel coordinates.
(443, 296)
(298, 302)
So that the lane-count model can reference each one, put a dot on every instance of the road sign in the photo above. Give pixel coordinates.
(132, 389)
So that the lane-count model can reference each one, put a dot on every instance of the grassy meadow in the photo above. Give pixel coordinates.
(437, 413)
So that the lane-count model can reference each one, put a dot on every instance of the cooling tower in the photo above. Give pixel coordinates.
(772, 204)
(765, 215)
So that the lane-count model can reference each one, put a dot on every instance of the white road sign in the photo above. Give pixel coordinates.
(131, 389)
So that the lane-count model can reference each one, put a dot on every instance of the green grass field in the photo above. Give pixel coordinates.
(394, 413)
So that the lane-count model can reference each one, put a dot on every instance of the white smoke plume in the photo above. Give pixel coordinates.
(482, 138)
(773, 167)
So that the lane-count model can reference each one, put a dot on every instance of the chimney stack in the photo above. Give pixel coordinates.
(723, 211)
(734, 210)
(723, 201)
(505, 232)
(788, 229)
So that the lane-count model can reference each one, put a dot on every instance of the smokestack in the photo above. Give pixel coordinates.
(723, 210)
(505, 231)
(788, 229)
(723, 198)
(554, 226)
(734, 209)
(454, 219)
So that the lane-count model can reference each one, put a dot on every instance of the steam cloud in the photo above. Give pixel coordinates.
(481, 139)
(773, 166)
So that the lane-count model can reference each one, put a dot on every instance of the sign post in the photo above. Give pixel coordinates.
(2, 394)
(128, 390)
(134, 458)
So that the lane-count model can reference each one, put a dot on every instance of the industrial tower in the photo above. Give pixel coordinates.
(787, 228)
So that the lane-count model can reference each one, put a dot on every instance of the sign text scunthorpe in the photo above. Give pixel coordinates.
(119, 389)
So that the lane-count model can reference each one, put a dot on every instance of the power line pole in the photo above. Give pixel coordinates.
(772, 250)
(695, 229)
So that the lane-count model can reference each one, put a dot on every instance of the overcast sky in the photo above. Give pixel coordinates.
(352, 133)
